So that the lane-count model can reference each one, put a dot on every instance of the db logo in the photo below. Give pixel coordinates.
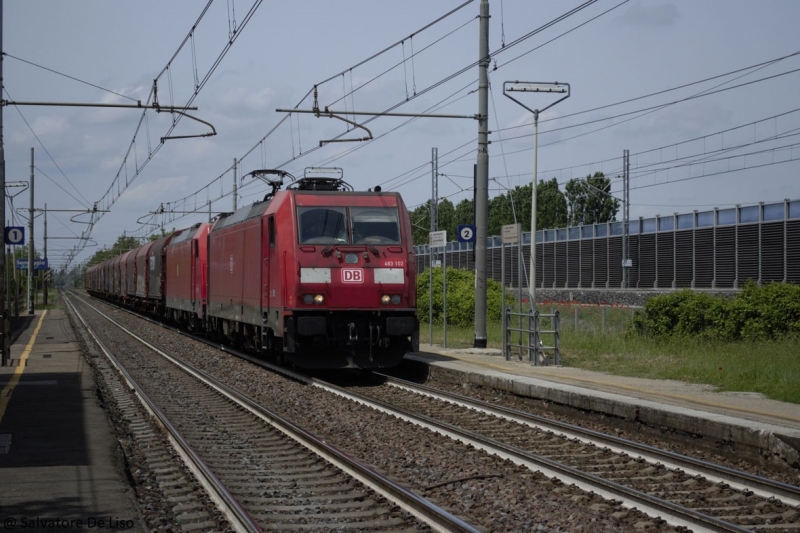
(352, 275)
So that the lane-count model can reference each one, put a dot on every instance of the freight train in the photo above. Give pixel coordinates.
(317, 275)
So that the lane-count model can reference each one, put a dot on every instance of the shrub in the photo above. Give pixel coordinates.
(771, 311)
(460, 297)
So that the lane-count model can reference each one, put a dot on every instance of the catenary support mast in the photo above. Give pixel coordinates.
(482, 179)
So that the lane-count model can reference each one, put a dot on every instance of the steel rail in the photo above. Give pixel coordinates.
(433, 515)
(672, 513)
(764, 487)
(226, 502)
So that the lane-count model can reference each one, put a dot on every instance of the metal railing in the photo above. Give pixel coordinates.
(535, 350)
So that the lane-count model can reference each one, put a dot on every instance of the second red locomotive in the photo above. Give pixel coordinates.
(317, 274)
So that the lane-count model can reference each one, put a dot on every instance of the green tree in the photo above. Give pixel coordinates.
(590, 201)
(551, 211)
(421, 223)
(447, 219)
(465, 212)
(122, 245)
(551, 206)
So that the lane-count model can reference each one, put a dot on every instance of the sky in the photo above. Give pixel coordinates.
(702, 94)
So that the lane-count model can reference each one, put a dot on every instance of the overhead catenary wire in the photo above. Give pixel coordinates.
(107, 200)
(427, 89)
(650, 108)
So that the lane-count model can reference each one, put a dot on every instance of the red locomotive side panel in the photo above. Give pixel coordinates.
(234, 257)
(186, 258)
(251, 272)
(200, 268)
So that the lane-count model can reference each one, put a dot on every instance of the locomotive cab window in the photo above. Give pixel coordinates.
(375, 225)
(322, 225)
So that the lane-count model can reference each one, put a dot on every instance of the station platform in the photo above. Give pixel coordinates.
(743, 423)
(60, 464)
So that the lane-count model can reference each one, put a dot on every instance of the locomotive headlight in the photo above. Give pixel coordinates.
(319, 299)
(393, 299)
(308, 299)
(385, 299)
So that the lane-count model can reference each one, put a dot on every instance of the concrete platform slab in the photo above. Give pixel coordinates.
(63, 462)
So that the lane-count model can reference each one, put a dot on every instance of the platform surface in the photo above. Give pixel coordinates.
(61, 467)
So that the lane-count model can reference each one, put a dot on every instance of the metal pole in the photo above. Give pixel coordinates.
(482, 179)
(16, 276)
(235, 193)
(8, 261)
(434, 189)
(430, 293)
(444, 295)
(519, 287)
(4, 344)
(434, 223)
(44, 276)
(626, 220)
(506, 350)
(2, 169)
(532, 284)
(30, 246)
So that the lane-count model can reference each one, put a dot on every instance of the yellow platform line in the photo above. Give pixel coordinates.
(8, 390)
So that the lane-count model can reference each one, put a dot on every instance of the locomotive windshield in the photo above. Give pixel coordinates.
(322, 225)
(368, 225)
(375, 225)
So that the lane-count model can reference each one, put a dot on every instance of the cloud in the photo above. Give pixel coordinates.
(44, 126)
(687, 120)
(652, 15)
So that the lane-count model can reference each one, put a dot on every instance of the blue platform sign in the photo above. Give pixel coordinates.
(466, 233)
(15, 235)
(38, 264)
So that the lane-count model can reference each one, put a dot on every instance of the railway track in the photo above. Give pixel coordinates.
(263, 471)
(682, 490)
(588, 477)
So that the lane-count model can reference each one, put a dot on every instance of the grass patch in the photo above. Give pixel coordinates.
(768, 367)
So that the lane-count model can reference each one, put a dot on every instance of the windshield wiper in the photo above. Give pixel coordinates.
(330, 245)
(357, 235)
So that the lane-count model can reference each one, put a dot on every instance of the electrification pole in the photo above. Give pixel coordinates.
(4, 340)
(626, 220)
(44, 274)
(482, 179)
(434, 227)
(30, 245)
(234, 184)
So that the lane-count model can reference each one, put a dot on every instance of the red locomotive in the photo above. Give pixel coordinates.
(317, 274)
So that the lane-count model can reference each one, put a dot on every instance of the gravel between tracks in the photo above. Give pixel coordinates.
(484, 490)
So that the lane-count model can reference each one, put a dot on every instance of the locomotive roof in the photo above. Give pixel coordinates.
(186, 234)
(257, 209)
(240, 215)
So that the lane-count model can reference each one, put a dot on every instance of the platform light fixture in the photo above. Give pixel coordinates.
(535, 87)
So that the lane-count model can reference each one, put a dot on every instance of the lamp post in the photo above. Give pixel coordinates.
(535, 87)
